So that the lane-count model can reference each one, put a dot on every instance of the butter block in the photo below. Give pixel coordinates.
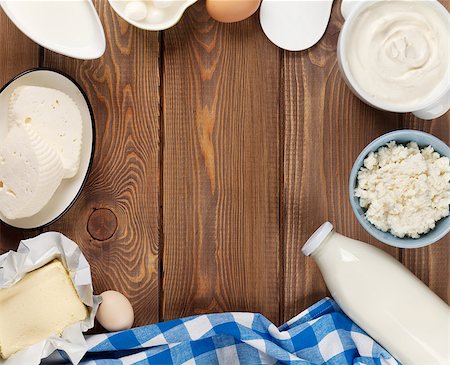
(55, 117)
(43, 303)
(30, 173)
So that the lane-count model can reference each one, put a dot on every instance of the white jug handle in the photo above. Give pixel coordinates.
(435, 110)
(347, 7)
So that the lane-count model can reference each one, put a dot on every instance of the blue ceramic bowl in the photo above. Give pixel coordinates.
(401, 137)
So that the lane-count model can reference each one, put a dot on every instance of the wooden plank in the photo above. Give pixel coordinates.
(116, 219)
(326, 127)
(221, 168)
(431, 264)
(17, 53)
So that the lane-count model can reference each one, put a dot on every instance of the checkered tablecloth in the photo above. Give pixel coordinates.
(322, 334)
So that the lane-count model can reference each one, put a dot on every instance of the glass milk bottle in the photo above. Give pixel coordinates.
(385, 299)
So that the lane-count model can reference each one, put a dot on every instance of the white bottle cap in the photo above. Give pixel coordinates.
(317, 238)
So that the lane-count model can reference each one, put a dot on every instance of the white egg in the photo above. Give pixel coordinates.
(115, 312)
(156, 15)
(136, 10)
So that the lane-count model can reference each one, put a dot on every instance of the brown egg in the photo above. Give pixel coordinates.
(115, 313)
(230, 11)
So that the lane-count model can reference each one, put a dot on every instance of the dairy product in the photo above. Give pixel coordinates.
(399, 51)
(55, 117)
(383, 298)
(43, 303)
(405, 190)
(30, 173)
(136, 10)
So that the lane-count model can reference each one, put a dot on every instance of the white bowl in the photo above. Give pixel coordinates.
(428, 108)
(157, 18)
(69, 190)
(71, 28)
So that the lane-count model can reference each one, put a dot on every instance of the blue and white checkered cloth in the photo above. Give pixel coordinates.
(322, 334)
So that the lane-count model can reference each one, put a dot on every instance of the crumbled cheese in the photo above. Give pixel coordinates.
(405, 190)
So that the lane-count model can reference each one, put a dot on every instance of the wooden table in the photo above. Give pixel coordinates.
(217, 156)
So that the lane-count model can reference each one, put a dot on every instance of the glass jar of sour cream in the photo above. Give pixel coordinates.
(395, 54)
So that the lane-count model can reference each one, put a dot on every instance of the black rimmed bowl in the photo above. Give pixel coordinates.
(70, 189)
(401, 137)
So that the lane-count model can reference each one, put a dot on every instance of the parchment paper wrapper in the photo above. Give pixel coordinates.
(32, 254)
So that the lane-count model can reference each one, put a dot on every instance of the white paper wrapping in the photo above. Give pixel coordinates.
(32, 254)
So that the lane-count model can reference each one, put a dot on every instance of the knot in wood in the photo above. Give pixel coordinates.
(102, 224)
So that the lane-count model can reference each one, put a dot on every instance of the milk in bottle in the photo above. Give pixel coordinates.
(384, 298)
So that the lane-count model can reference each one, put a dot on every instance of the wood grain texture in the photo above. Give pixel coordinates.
(116, 219)
(17, 54)
(221, 174)
(326, 127)
(217, 155)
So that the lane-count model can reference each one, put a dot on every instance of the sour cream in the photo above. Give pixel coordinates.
(398, 51)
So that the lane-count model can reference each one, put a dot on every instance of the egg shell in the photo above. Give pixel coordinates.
(230, 11)
(136, 10)
(115, 313)
(163, 3)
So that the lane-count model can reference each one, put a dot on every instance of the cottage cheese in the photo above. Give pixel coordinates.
(405, 190)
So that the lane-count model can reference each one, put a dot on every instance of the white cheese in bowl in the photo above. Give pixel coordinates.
(30, 173)
(405, 189)
(55, 117)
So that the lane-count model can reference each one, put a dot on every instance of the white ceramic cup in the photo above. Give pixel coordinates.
(427, 109)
